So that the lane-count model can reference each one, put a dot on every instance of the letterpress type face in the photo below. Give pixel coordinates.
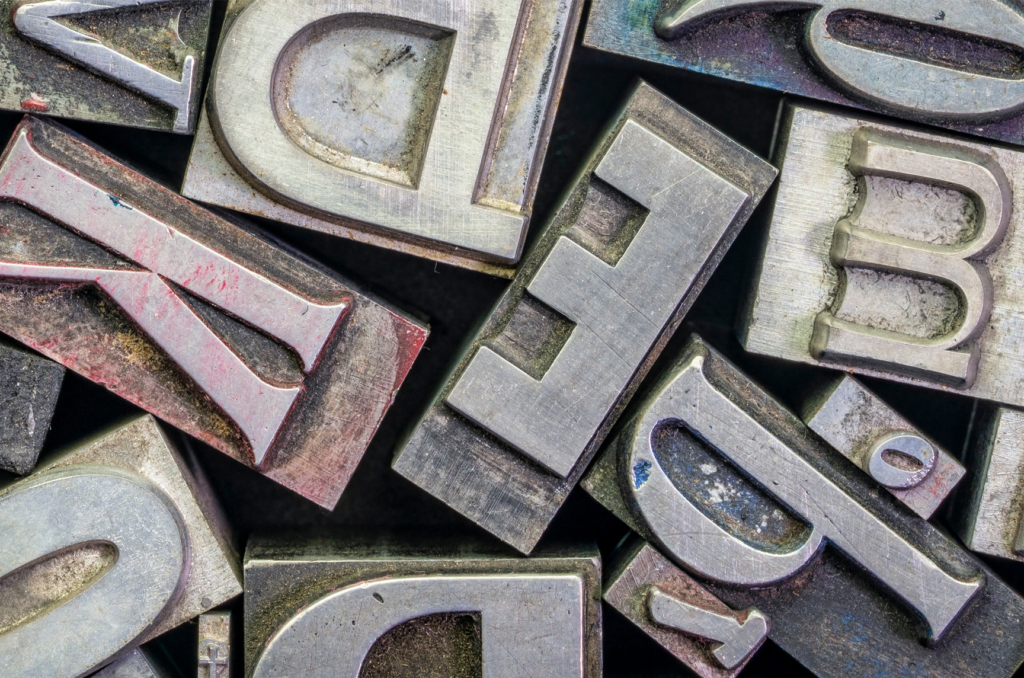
(732, 487)
(127, 62)
(685, 618)
(585, 317)
(956, 65)
(883, 444)
(363, 609)
(264, 356)
(429, 137)
(893, 253)
(105, 548)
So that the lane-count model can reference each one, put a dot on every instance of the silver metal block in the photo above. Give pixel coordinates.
(532, 398)
(893, 252)
(427, 136)
(214, 645)
(883, 444)
(732, 487)
(29, 387)
(128, 62)
(266, 356)
(988, 513)
(701, 631)
(136, 664)
(126, 518)
(955, 65)
(375, 609)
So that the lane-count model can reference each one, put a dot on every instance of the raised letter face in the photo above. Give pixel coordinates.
(870, 215)
(215, 645)
(586, 315)
(127, 62)
(883, 444)
(429, 137)
(681, 615)
(358, 612)
(192, 318)
(30, 386)
(956, 66)
(732, 487)
(119, 519)
(987, 514)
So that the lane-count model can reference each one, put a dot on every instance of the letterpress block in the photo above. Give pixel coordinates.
(108, 546)
(987, 512)
(428, 136)
(530, 401)
(267, 357)
(128, 62)
(136, 664)
(883, 444)
(735, 489)
(29, 386)
(215, 645)
(956, 65)
(681, 615)
(377, 608)
(894, 253)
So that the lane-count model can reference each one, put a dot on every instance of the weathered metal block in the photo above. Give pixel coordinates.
(29, 386)
(427, 136)
(955, 65)
(532, 398)
(987, 512)
(701, 631)
(136, 664)
(735, 489)
(108, 546)
(270, 358)
(378, 608)
(128, 62)
(214, 645)
(883, 444)
(895, 253)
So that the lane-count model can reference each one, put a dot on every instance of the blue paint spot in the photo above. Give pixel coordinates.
(641, 473)
(118, 203)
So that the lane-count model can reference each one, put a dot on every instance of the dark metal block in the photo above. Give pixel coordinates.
(29, 386)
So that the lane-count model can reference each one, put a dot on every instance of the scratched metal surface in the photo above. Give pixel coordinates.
(453, 300)
(35, 79)
(445, 165)
(765, 44)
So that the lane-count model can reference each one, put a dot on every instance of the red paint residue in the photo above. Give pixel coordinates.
(34, 103)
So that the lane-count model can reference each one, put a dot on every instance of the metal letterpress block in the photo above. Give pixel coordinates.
(987, 512)
(681, 615)
(951, 64)
(734, 488)
(136, 664)
(215, 645)
(127, 62)
(376, 608)
(29, 386)
(895, 253)
(269, 358)
(883, 444)
(106, 547)
(530, 401)
(428, 136)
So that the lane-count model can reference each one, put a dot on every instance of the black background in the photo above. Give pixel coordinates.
(452, 300)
